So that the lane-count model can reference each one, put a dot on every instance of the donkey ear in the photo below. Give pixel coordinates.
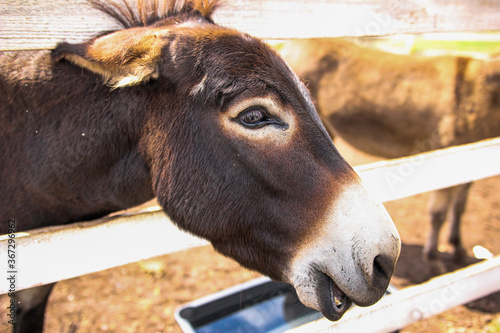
(123, 58)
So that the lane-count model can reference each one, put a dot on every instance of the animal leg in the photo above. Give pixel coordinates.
(457, 210)
(438, 208)
(30, 310)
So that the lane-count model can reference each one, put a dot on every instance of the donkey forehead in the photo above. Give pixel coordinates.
(229, 63)
(222, 52)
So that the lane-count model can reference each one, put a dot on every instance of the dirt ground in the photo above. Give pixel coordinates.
(143, 296)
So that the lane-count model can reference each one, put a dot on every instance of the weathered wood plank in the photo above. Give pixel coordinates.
(40, 24)
(58, 253)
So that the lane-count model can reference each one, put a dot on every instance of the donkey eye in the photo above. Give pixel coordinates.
(256, 117)
(251, 116)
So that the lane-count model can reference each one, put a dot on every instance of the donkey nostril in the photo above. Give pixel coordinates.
(382, 270)
(378, 268)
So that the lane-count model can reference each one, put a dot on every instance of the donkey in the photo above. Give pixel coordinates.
(398, 105)
(212, 123)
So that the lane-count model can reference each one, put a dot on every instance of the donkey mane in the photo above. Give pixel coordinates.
(156, 12)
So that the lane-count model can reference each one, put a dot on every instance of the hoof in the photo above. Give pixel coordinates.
(459, 254)
(435, 265)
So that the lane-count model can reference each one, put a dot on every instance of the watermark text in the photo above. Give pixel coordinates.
(11, 270)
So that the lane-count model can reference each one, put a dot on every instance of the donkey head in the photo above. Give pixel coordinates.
(238, 155)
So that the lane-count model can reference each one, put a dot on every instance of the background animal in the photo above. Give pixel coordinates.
(392, 105)
(213, 124)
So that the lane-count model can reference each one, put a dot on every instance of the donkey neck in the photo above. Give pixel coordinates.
(73, 157)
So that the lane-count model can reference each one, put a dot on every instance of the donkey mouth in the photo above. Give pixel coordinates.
(333, 302)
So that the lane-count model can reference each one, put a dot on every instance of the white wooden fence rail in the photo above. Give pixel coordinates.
(404, 177)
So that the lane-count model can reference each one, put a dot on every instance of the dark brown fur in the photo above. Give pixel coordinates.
(92, 128)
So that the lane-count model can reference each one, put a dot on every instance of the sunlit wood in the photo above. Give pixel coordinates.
(40, 24)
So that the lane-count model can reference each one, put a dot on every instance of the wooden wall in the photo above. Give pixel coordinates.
(40, 24)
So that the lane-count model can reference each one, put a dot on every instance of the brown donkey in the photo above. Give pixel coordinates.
(396, 105)
(213, 124)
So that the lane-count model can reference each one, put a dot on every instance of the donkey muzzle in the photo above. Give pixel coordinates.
(350, 259)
